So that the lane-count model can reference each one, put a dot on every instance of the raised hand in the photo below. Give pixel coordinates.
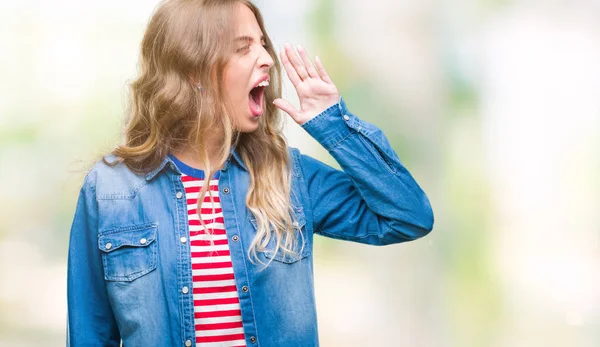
(316, 91)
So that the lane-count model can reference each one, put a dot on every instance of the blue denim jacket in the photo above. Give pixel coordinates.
(132, 291)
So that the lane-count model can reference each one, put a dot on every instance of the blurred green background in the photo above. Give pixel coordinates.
(493, 105)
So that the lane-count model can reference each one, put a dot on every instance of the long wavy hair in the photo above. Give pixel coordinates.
(167, 112)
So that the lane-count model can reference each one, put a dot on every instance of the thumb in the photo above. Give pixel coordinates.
(286, 107)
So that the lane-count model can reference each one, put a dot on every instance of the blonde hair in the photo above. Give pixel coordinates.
(167, 112)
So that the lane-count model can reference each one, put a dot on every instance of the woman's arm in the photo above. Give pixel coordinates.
(374, 200)
(90, 318)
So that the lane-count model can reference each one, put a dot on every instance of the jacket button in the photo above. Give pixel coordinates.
(346, 118)
(244, 289)
(183, 239)
(252, 339)
(235, 238)
(226, 190)
(143, 241)
(179, 195)
(108, 245)
(185, 290)
(188, 343)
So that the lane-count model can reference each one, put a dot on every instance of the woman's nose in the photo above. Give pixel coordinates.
(265, 59)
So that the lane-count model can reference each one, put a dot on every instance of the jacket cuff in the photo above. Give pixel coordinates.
(331, 126)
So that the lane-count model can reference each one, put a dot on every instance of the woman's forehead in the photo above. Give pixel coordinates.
(245, 23)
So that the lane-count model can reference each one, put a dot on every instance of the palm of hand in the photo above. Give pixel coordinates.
(316, 91)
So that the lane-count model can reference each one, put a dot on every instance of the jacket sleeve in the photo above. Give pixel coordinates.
(374, 200)
(90, 319)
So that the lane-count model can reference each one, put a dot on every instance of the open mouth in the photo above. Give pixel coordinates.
(256, 98)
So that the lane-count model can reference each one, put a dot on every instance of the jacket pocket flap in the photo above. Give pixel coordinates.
(136, 236)
(301, 249)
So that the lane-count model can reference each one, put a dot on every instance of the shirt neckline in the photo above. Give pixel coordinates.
(191, 171)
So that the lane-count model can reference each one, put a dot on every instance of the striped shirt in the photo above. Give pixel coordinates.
(217, 313)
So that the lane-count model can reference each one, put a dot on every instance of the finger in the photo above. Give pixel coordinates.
(289, 69)
(322, 72)
(286, 107)
(312, 72)
(296, 62)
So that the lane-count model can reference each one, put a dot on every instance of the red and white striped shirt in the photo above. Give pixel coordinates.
(217, 314)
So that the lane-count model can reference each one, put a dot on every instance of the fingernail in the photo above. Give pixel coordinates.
(300, 47)
(288, 45)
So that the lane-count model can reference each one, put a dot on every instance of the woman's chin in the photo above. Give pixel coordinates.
(250, 125)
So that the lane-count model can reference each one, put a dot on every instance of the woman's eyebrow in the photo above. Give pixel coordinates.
(248, 38)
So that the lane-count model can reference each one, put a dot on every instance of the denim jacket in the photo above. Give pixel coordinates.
(131, 291)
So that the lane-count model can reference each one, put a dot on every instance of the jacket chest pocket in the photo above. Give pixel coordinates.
(129, 252)
(302, 248)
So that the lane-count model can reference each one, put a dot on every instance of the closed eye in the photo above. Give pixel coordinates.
(243, 49)
(248, 40)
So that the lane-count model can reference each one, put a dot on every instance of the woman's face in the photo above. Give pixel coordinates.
(247, 72)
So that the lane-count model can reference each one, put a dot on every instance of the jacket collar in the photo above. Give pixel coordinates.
(168, 162)
(236, 156)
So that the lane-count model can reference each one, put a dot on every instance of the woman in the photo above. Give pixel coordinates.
(198, 229)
